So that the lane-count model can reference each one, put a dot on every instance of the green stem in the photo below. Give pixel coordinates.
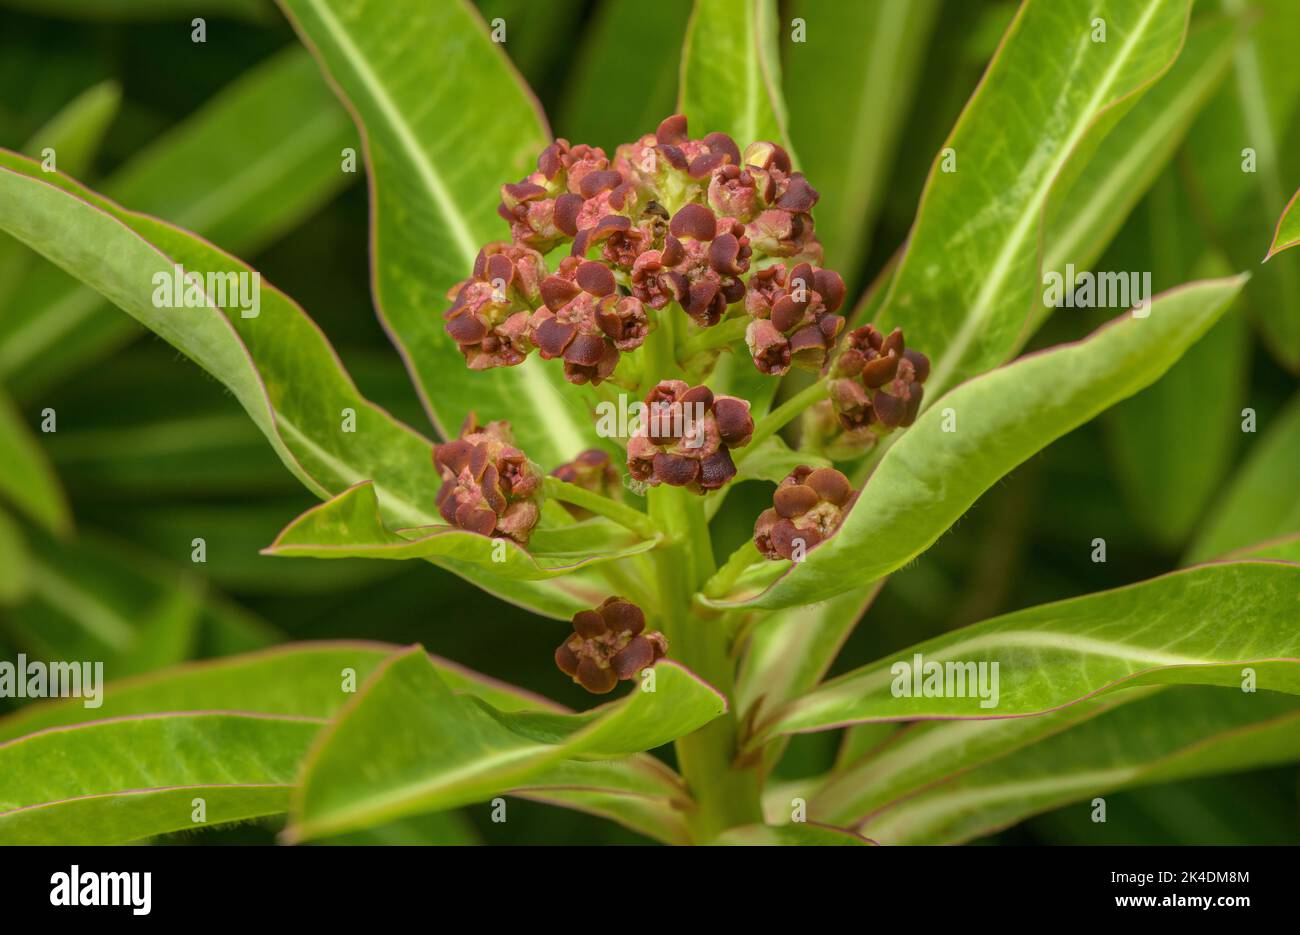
(721, 582)
(725, 795)
(625, 516)
(777, 419)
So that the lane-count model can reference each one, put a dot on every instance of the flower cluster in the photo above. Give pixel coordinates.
(600, 251)
(807, 508)
(794, 320)
(686, 436)
(488, 485)
(668, 219)
(608, 645)
(875, 387)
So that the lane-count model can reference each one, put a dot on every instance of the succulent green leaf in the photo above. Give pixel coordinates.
(964, 290)
(407, 70)
(925, 753)
(731, 72)
(1200, 626)
(407, 744)
(120, 780)
(1287, 233)
(349, 526)
(1173, 734)
(932, 474)
(228, 173)
(277, 363)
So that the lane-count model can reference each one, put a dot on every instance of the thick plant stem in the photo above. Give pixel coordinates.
(726, 796)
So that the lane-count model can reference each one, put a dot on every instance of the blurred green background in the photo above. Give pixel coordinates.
(152, 453)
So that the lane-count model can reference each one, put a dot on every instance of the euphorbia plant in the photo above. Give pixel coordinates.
(532, 283)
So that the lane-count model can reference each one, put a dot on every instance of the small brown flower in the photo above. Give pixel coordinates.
(876, 381)
(572, 189)
(489, 315)
(686, 436)
(808, 507)
(608, 645)
(586, 321)
(793, 317)
(592, 470)
(488, 485)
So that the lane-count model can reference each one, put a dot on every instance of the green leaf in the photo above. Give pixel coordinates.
(349, 526)
(1083, 219)
(790, 651)
(110, 782)
(26, 479)
(731, 72)
(588, 112)
(964, 290)
(849, 82)
(1200, 626)
(773, 459)
(408, 69)
(228, 173)
(1173, 734)
(1287, 233)
(305, 679)
(1263, 499)
(408, 745)
(278, 365)
(1284, 549)
(930, 477)
(638, 792)
(928, 752)
(803, 834)
(1172, 444)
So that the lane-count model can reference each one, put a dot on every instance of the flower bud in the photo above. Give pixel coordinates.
(592, 470)
(608, 646)
(488, 318)
(808, 507)
(586, 321)
(488, 485)
(685, 437)
(876, 382)
(793, 317)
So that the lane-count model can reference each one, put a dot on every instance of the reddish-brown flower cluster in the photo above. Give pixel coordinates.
(807, 509)
(875, 387)
(488, 485)
(668, 219)
(794, 320)
(686, 436)
(608, 645)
